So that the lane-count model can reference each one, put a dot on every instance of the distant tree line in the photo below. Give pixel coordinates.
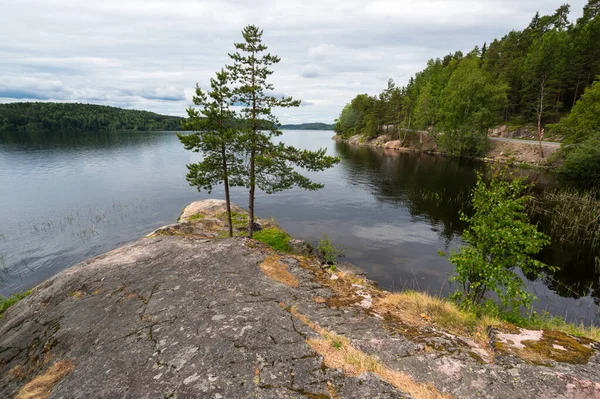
(308, 126)
(39, 116)
(534, 76)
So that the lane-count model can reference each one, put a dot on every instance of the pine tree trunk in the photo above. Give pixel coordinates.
(226, 184)
(251, 195)
(252, 156)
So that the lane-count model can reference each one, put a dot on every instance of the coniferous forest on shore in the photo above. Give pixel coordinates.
(544, 77)
(51, 117)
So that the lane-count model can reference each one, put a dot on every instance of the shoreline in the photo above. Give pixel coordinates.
(511, 153)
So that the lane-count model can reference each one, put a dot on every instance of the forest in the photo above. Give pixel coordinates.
(50, 117)
(545, 76)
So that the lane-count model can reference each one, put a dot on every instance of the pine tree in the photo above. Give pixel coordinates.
(216, 138)
(272, 166)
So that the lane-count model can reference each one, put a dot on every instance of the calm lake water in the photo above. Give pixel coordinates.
(66, 197)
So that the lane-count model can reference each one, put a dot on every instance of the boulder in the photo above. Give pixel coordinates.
(394, 144)
(300, 247)
(208, 208)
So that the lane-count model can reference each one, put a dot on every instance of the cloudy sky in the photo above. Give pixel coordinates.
(149, 54)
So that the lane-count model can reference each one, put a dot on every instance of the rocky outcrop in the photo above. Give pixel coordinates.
(210, 208)
(185, 314)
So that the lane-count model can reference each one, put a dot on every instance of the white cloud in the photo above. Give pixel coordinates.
(149, 54)
(323, 51)
(310, 71)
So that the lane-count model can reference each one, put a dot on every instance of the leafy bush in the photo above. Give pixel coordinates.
(499, 240)
(460, 144)
(581, 129)
(583, 159)
(328, 250)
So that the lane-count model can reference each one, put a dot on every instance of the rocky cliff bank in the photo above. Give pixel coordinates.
(185, 313)
(502, 150)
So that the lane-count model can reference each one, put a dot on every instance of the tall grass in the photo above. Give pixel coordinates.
(570, 216)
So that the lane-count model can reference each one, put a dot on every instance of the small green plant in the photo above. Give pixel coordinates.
(274, 237)
(6, 303)
(239, 220)
(499, 240)
(197, 216)
(330, 252)
(337, 343)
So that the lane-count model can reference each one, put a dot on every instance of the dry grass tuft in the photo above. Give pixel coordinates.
(332, 392)
(423, 308)
(420, 309)
(41, 386)
(338, 352)
(278, 271)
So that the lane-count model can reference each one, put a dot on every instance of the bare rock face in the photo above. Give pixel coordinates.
(394, 144)
(208, 208)
(183, 314)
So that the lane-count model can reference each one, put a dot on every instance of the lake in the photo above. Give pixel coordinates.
(66, 197)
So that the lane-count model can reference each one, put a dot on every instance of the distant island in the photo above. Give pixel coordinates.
(308, 126)
(37, 116)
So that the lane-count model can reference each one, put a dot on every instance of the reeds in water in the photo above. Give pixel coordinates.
(570, 216)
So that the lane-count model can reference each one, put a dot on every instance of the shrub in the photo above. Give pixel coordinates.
(461, 144)
(328, 250)
(499, 240)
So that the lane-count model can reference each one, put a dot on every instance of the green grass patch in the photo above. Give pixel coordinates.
(239, 220)
(6, 303)
(197, 216)
(274, 237)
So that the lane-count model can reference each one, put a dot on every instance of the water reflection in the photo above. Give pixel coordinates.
(436, 189)
(76, 141)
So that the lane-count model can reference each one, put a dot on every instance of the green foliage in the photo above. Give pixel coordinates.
(469, 105)
(533, 75)
(583, 121)
(329, 251)
(581, 129)
(239, 220)
(273, 166)
(6, 303)
(344, 125)
(216, 137)
(463, 144)
(499, 240)
(584, 159)
(52, 117)
(274, 237)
